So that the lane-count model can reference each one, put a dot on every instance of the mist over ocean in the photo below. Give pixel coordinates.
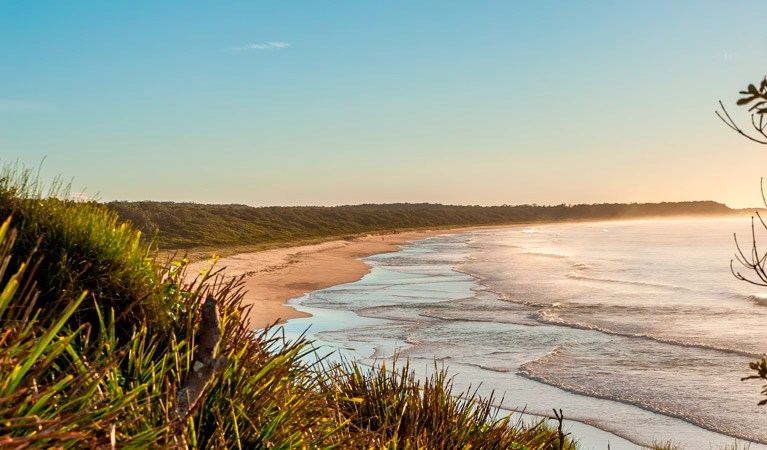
(637, 328)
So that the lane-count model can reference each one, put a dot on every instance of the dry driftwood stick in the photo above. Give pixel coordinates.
(205, 363)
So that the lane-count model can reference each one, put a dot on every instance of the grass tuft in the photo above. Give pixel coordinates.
(80, 246)
(391, 408)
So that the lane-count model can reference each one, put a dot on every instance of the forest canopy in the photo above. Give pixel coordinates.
(191, 225)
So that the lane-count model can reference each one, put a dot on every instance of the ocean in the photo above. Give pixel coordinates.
(636, 330)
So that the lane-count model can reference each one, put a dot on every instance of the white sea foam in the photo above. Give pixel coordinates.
(641, 331)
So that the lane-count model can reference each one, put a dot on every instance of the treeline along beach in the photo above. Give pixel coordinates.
(190, 225)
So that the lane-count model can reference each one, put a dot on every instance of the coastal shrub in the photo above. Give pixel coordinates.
(116, 332)
(64, 386)
(33, 410)
(81, 247)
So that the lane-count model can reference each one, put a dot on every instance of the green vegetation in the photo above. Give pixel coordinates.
(99, 341)
(396, 408)
(80, 247)
(189, 225)
(83, 364)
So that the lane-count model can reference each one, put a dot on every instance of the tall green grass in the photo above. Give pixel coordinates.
(81, 247)
(394, 409)
(81, 387)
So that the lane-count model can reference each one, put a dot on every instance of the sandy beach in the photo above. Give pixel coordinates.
(272, 277)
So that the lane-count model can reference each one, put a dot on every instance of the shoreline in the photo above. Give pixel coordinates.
(358, 339)
(341, 257)
(272, 277)
(275, 276)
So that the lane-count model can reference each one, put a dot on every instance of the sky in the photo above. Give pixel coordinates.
(347, 102)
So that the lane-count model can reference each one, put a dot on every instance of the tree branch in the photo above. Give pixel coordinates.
(731, 123)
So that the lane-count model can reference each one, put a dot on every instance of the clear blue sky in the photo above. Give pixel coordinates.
(325, 103)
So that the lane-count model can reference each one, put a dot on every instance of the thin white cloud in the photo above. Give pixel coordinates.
(21, 106)
(267, 46)
(728, 55)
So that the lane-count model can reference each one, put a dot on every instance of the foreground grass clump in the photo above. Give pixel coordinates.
(79, 387)
(81, 247)
(394, 409)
